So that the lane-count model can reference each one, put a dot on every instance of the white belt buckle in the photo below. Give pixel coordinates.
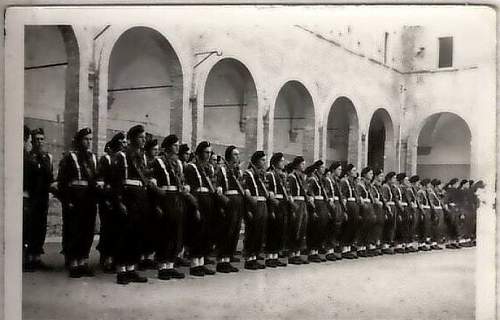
(135, 183)
(260, 198)
(298, 198)
(169, 188)
(352, 199)
(202, 189)
(231, 192)
(318, 198)
(278, 196)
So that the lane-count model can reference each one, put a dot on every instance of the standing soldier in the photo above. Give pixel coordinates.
(438, 225)
(278, 215)
(350, 229)
(425, 219)
(78, 186)
(337, 209)
(366, 212)
(184, 154)
(390, 213)
(38, 179)
(227, 178)
(197, 175)
(402, 217)
(411, 186)
(107, 213)
(27, 265)
(256, 216)
(298, 219)
(380, 209)
(129, 187)
(151, 151)
(318, 214)
(454, 217)
(168, 172)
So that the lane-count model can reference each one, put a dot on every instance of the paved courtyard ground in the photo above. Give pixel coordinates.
(431, 285)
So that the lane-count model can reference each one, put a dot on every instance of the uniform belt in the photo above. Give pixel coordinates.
(169, 188)
(438, 208)
(414, 205)
(231, 192)
(426, 207)
(352, 199)
(202, 189)
(404, 204)
(278, 196)
(452, 204)
(334, 198)
(390, 202)
(298, 198)
(367, 200)
(26, 194)
(79, 183)
(259, 198)
(319, 198)
(134, 183)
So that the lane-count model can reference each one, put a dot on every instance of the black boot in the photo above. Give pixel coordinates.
(122, 278)
(133, 276)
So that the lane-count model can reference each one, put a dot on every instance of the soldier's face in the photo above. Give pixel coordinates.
(380, 177)
(353, 172)
(235, 156)
(406, 181)
(27, 144)
(321, 170)
(140, 140)
(38, 142)
(123, 143)
(281, 164)
(213, 158)
(302, 166)
(369, 175)
(154, 151)
(174, 148)
(185, 156)
(86, 142)
(338, 171)
(205, 154)
(261, 163)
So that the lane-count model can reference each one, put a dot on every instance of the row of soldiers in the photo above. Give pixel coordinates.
(158, 208)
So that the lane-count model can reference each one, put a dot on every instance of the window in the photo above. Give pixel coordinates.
(445, 52)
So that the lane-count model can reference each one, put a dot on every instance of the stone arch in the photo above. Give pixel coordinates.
(342, 132)
(381, 151)
(52, 52)
(294, 121)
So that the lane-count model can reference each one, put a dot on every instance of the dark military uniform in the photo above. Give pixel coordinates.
(337, 213)
(229, 223)
(131, 197)
(38, 176)
(389, 228)
(350, 229)
(107, 213)
(453, 214)
(298, 220)
(424, 218)
(379, 208)
(318, 215)
(402, 234)
(277, 225)
(413, 212)
(169, 226)
(367, 213)
(255, 226)
(77, 184)
(438, 226)
(199, 237)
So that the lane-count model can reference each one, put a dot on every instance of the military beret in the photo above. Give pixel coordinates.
(27, 132)
(82, 133)
(114, 143)
(135, 131)
(479, 185)
(389, 175)
(183, 148)
(276, 158)
(464, 181)
(349, 167)
(317, 164)
(310, 169)
(169, 140)
(335, 165)
(365, 171)
(453, 181)
(426, 181)
(202, 146)
(297, 161)
(36, 131)
(289, 167)
(377, 171)
(257, 155)
(401, 176)
(229, 152)
(414, 179)
(150, 144)
(435, 182)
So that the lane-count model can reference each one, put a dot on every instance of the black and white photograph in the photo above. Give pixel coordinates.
(249, 161)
